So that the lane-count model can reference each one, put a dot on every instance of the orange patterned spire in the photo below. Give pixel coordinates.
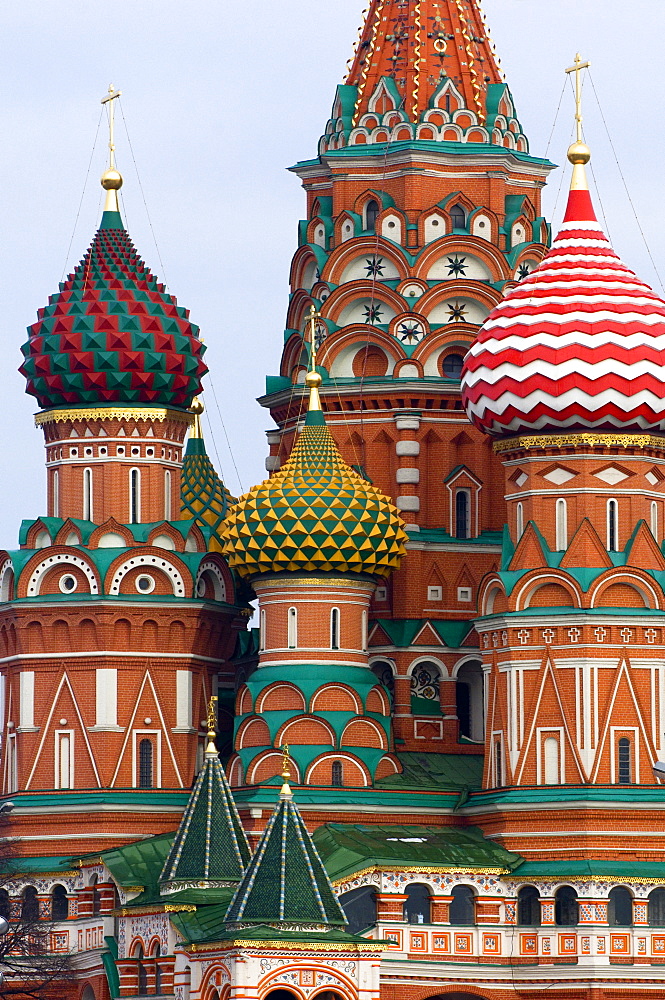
(418, 44)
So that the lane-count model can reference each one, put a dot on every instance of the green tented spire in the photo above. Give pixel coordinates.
(210, 849)
(285, 882)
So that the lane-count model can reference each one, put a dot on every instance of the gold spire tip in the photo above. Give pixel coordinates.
(211, 749)
(111, 179)
(197, 409)
(579, 153)
(313, 379)
(285, 791)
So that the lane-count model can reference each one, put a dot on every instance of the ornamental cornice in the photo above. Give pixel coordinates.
(589, 438)
(421, 870)
(59, 416)
(280, 946)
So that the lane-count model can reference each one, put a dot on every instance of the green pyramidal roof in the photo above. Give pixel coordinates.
(210, 847)
(285, 882)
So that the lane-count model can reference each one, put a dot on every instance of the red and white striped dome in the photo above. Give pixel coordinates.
(578, 344)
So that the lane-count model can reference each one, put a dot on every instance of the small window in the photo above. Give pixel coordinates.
(462, 505)
(656, 908)
(566, 907)
(56, 494)
(520, 521)
(337, 774)
(167, 495)
(134, 496)
(620, 907)
(464, 594)
(625, 763)
(141, 974)
(334, 628)
(528, 907)
(417, 905)
(363, 632)
(59, 903)
(462, 906)
(452, 366)
(145, 764)
(498, 764)
(654, 519)
(561, 525)
(371, 215)
(87, 494)
(612, 525)
(96, 897)
(29, 905)
(292, 628)
(435, 593)
(262, 629)
(381, 594)
(458, 217)
(551, 760)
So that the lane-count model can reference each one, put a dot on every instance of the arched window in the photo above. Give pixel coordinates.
(551, 761)
(158, 971)
(59, 903)
(5, 904)
(359, 907)
(363, 632)
(56, 494)
(141, 974)
(561, 525)
(425, 691)
(620, 907)
(167, 495)
(624, 755)
(463, 906)
(145, 764)
(452, 366)
(470, 701)
(566, 907)
(262, 629)
(96, 898)
(292, 628)
(520, 521)
(371, 213)
(87, 494)
(384, 674)
(334, 628)
(134, 496)
(337, 774)
(612, 526)
(462, 510)
(417, 904)
(528, 906)
(458, 217)
(656, 908)
(29, 905)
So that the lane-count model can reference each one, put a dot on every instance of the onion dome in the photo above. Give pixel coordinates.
(315, 514)
(112, 334)
(285, 882)
(203, 495)
(578, 344)
(210, 849)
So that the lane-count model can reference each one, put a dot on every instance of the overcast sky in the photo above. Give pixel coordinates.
(217, 106)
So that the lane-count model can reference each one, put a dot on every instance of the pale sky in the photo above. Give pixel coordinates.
(219, 99)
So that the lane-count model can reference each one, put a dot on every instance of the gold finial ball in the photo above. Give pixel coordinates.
(579, 153)
(111, 180)
(313, 380)
(197, 407)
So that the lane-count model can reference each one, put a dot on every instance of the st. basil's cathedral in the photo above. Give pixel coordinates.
(428, 772)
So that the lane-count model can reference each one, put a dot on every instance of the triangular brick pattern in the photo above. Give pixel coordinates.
(210, 847)
(315, 514)
(112, 334)
(285, 882)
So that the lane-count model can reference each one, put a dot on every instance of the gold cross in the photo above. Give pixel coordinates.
(286, 761)
(109, 99)
(312, 317)
(577, 70)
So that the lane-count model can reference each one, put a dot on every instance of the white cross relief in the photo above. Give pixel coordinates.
(626, 634)
(574, 634)
(495, 638)
(504, 638)
(486, 641)
(600, 634)
(650, 634)
(548, 634)
(524, 635)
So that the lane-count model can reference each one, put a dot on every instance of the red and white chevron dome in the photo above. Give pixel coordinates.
(578, 344)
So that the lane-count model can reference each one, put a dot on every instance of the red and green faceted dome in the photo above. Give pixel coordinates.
(112, 334)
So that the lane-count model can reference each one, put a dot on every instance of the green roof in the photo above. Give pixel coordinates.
(347, 848)
(285, 881)
(209, 925)
(402, 631)
(614, 869)
(210, 845)
(436, 770)
(140, 863)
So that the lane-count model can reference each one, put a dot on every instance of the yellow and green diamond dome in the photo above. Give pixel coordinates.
(315, 515)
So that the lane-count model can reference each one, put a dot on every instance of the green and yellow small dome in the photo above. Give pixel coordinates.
(315, 515)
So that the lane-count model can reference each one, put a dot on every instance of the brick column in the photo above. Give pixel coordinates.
(273, 461)
(448, 702)
(402, 718)
(407, 475)
(390, 906)
(488, 910)
(440, 913)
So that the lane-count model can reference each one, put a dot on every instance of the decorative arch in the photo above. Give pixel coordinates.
(335, 698)
(7, 580)
(356, 773)
(280, 697)
(38, 567)
(364, 732)
(147, 560)
(479, 247)
(492, 597)
(306, 730)
(361, 248)
(632, 583)
(524, 597)
(108, 534)
(268, 765)
(341, 348)
(253, 733)
(377, 702)
(213, 581)
(428, 658)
